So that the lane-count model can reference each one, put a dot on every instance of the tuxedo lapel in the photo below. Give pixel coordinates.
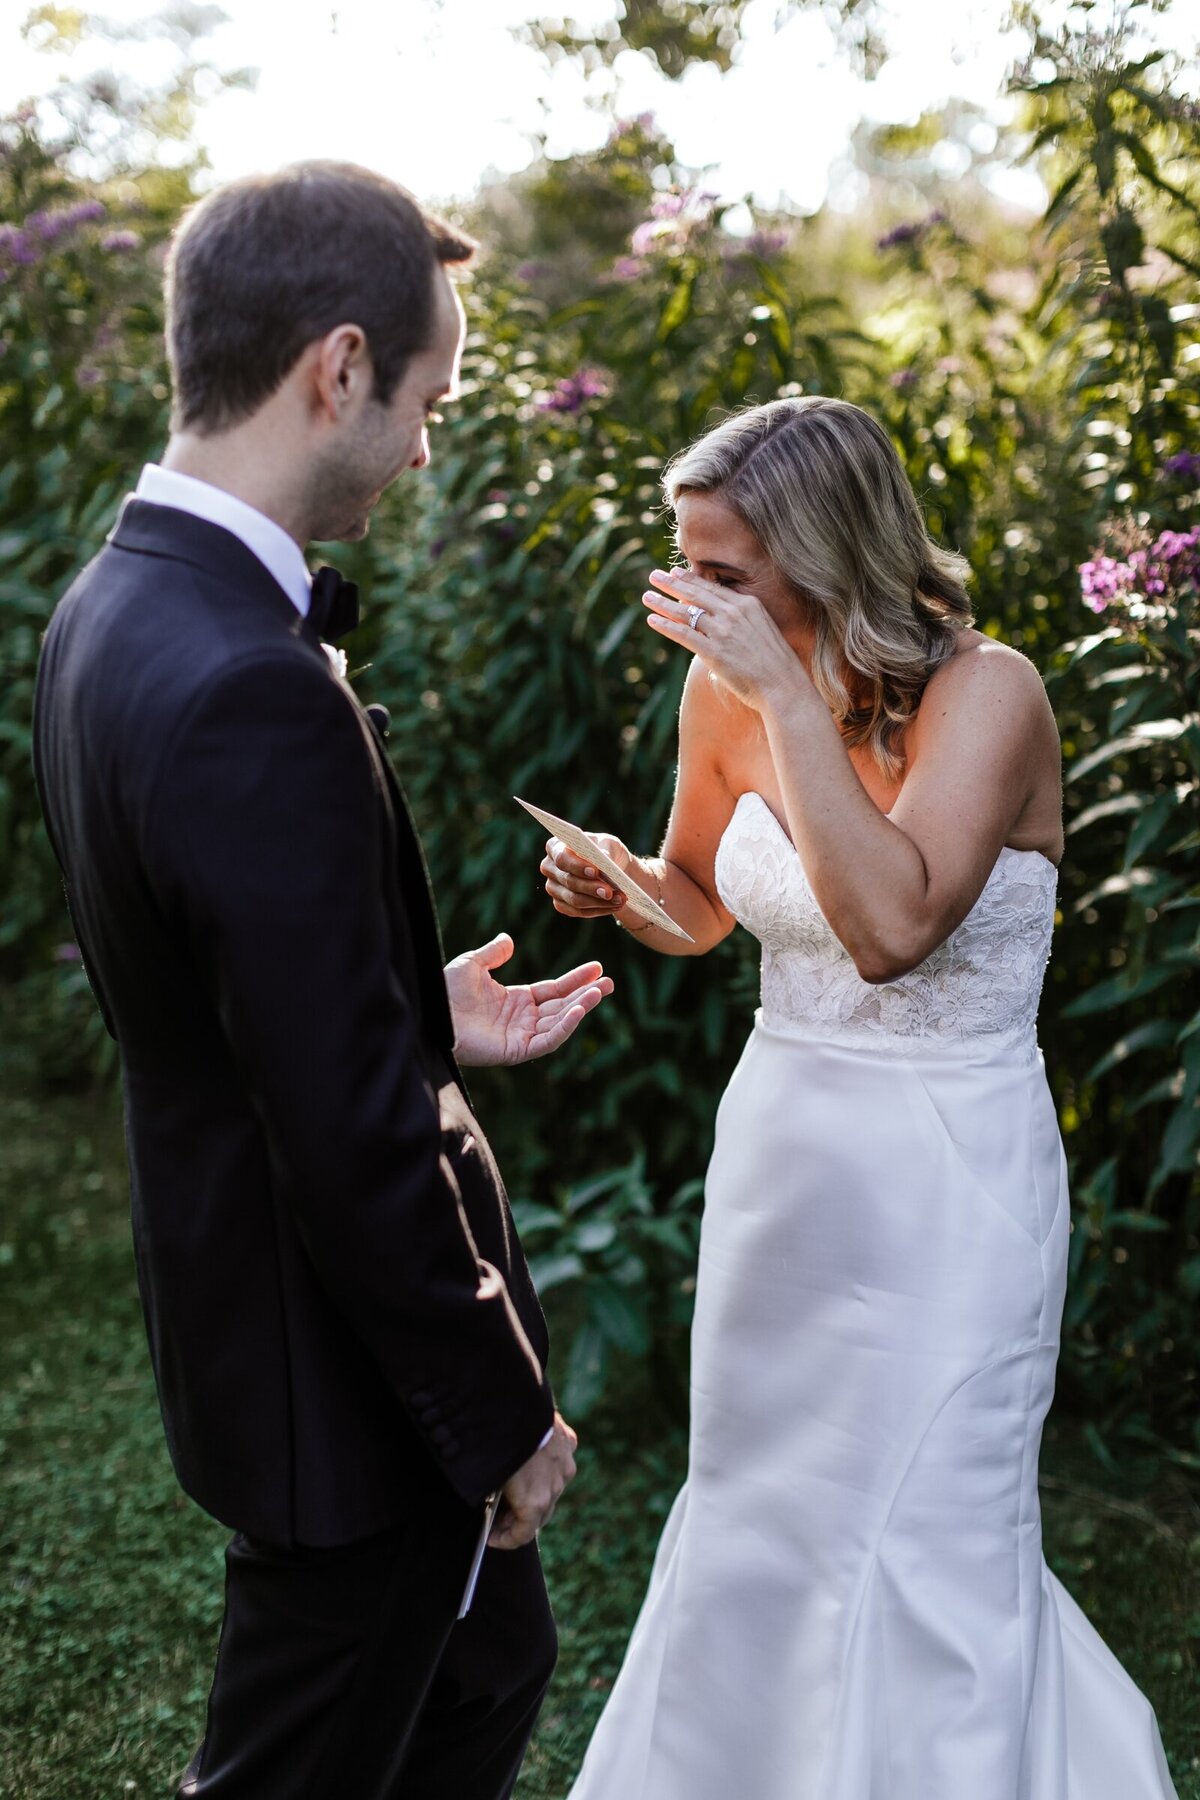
(149, 529)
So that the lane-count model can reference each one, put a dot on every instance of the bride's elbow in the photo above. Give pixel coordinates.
(878, 970)
(881, 962)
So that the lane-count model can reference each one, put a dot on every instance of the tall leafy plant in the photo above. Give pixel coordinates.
(1118, 312)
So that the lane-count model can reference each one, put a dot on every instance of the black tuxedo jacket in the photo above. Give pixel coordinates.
(340, 1318)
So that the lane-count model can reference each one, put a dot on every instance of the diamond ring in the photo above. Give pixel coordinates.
(695, 614)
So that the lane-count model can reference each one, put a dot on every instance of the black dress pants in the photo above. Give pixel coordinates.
(342, 1675)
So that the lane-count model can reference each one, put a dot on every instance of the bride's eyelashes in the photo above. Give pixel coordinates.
(717, 577)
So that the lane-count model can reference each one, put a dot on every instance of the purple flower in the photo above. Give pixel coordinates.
(627, 268)
(118, 243)
(48, 225)
(910, 232)
(1185, 464)
(903, 379)
(89, 377)
(67, 953)
(16, 245)
(529, 271)
(1102, 580)
(763, 245)
(900, 234)
(573, 391)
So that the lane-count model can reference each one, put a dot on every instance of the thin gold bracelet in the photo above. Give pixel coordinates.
(649, 924)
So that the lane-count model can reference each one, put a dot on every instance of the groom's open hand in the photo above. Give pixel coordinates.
(534, 1491)
(495, 1025)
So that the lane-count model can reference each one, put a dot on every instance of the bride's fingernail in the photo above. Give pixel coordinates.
(604, 893)
(591, 874)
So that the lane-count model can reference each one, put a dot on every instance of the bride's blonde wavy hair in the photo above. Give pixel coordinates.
(821, 487)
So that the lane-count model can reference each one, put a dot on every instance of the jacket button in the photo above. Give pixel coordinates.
(442, 1436)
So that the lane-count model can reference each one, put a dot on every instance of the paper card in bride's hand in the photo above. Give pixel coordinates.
(637, 901)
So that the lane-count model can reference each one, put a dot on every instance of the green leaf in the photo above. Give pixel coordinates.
(530, 1217)
(1149, 827)
(1179, 1141)
(677, 309)
(587, 1365)
(1107, 809)
(1138, 739)
(620, 1316)
(552, 1270)
(593, 1235)
(1117, 991)
(1156, 1032)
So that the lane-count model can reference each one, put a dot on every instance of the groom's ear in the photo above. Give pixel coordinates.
(340, 370)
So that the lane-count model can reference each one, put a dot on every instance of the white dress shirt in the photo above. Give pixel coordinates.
(279, 554)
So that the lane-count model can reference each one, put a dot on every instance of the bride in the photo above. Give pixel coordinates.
(849, 1601)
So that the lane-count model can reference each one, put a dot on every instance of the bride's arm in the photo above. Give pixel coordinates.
(681, 877)
(891, 889)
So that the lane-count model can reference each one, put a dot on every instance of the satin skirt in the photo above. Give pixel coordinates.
(849, 1600)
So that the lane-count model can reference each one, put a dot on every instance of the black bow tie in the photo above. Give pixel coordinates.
(333, 609)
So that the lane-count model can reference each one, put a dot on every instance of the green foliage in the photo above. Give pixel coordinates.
(83, 398)
(630, 1262)
(1037, 384)
(1137, 825)
(679, 34)
(515, 600)
(110, 1581)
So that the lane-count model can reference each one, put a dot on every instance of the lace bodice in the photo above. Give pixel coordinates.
(984, 982)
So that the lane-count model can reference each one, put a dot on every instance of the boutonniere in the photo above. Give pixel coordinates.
(337, 661)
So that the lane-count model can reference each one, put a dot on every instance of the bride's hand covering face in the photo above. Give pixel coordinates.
(731, 608)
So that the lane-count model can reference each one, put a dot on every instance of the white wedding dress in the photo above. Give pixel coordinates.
(849, 1601)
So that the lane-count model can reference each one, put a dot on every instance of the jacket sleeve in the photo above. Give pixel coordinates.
(266, 834)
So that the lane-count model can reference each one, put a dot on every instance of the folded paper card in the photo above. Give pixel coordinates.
(579, 841)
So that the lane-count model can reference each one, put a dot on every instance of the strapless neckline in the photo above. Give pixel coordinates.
(981, 984)
(1005, 849)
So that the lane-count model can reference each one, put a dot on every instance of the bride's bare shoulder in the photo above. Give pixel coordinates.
(711, 708)
(985, 672)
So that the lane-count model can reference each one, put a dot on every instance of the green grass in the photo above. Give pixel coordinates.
(110, 1579)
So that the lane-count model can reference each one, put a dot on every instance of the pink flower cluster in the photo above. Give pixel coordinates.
(1158, 571)
(673, 218)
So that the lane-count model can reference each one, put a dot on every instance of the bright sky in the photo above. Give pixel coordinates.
(436, 92)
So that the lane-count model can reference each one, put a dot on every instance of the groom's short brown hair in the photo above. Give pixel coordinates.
(262, 268)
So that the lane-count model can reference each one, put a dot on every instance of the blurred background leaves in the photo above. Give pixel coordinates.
(1041, 378)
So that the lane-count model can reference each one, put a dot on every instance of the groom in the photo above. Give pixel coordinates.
(349, 1353)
